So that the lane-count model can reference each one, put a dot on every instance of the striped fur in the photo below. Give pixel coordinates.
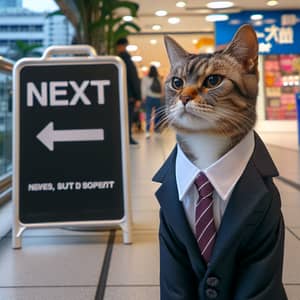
(227, 109)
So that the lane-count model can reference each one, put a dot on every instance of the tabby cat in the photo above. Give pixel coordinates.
(211, 98)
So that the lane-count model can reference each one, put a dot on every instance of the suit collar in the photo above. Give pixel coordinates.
(165, 168)
(261, 158)
(167, 196)
(238, 156)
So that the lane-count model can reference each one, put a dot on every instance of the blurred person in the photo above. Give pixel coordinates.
(151, 95)
(133, 83)
(137, 118)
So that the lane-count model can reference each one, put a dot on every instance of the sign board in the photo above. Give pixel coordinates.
(278, 32)
(70, 141)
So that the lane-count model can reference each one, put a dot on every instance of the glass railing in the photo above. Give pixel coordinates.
(6, 67)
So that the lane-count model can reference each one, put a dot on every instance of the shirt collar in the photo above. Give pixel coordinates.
(222, 174)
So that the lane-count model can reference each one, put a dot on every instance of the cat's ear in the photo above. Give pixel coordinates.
(244, 47)
(175, 52)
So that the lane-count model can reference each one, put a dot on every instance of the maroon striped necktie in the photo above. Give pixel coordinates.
(204, 218)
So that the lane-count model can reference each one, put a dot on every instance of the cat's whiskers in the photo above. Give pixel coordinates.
(168, 110)
(163, 122)
(161, 108)
(161, 113)
(204, 110)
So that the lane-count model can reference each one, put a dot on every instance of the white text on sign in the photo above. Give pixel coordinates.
(55, 93)
(71, 185)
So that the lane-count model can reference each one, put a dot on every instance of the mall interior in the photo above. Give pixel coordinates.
(56, 242)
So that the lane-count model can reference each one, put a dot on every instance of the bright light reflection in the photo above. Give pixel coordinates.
(136, 58)
(155, 63)
(131, 48)
(127, 18)
(161, 13)
(181, 4)
(156, 27)
(272, 3)
(256, 17)
(216, 18)
(219, 4)
(174, 20)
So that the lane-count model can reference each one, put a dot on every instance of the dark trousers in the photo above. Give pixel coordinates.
(130, 117)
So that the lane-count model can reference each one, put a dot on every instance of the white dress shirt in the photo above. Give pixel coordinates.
(222, 174)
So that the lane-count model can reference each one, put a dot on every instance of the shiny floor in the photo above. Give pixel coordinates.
(57, 264)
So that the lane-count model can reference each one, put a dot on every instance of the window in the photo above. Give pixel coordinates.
(5, 123)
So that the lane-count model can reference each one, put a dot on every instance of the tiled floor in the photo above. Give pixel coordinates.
(56, 264)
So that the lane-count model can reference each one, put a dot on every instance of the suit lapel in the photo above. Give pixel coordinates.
(245, 199)
(247, 194)
(167, 196)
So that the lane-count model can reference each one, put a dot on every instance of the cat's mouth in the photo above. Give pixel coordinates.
(198, 110)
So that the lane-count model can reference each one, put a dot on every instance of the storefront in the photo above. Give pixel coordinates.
(278, 35)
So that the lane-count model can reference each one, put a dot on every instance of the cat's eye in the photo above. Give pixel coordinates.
(177, 83)
(212, 81)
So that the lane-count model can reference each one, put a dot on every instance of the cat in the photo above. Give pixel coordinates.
(210, 102)
(211, 98)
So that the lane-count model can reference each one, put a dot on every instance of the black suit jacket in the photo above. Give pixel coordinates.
(247, 259)
(133, 81)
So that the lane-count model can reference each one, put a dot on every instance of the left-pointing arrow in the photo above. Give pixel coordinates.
(48, 135)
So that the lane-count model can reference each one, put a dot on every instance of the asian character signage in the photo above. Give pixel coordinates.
(278, 32)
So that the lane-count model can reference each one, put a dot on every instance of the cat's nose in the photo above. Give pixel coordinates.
(185, 98)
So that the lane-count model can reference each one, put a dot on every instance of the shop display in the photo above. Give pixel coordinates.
(282, 82)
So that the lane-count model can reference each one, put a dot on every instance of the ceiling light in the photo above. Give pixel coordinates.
(155, 63)
(161, 13)
(174, 20)
(195, 41)
(131, 48)
(256, 17)
(153, 42)
(181, 4)
(144, 68)
(156, 27)
(272, 3)
(128, 18)
(216, 18)
(209, 50)
(219, 4)
(136, 58)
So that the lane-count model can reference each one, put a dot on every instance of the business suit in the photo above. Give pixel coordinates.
(246, 263)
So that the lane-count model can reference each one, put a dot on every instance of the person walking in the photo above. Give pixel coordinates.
(133, 83)
(151, 95)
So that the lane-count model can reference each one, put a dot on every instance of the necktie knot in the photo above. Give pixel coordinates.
(203, 185)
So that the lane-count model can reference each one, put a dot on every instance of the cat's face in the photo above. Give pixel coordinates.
(214, 92)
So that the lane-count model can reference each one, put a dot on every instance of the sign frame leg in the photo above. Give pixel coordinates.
(127, 231)
(17, 235)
